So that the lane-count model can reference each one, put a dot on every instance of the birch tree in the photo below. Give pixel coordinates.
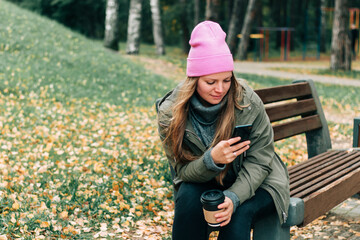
(340, 43)
(157, 27)
(185, 30)
(212, 10)
(111, 39)
(134, 24)
(196, 12)
(246, 29)
(233, 25)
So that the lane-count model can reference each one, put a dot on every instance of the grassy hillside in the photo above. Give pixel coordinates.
(80, 156)
(40, 56)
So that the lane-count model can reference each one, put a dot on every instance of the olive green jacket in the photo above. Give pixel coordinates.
(260, 168)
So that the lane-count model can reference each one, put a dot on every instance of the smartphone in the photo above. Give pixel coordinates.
(242, 131)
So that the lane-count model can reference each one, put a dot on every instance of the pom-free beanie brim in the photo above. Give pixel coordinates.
(209, 52)
(197, 67)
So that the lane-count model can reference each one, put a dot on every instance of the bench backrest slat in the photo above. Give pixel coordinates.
(296, 127)
(289, 102)
(281, 93)
(288, 110)
(295, 109)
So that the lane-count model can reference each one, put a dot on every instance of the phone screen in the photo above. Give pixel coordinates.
(242, 131)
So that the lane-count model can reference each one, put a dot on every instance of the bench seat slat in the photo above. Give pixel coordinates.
(310, 177)
(324, 180)
(288, 110)
(281, 93)
(295, 127)
(302, 165)
(316, 166)
(320, 202)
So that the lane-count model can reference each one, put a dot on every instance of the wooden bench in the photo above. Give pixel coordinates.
(323, 181)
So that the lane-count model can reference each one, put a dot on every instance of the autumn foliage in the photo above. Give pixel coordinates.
(80, 156)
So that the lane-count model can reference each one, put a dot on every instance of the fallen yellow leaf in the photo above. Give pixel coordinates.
(16, 206)
(64, 214)
(43, 206)
(44, 224)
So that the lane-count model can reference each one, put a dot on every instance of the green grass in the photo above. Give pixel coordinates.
(174, 54)
(80, 154)
(45, 58)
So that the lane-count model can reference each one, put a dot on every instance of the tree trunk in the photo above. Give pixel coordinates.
(133, 31)
(212, 11)
(340, 52)
(284, 12)
(348, 53)
(111, 39)
(157, 27)
(323, 27)
(184, 27)
(276, 16)
(246, 30)
(234, 26)
(259, 13)
(293, 16)
(196, 12)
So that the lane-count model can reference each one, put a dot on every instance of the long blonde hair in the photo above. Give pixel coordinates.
(224, 126)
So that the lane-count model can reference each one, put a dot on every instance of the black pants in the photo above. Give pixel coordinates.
(189, 222)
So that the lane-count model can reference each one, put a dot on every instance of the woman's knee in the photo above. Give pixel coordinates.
(261, 203)
(246, 214)
(189, 220)
(188, 195)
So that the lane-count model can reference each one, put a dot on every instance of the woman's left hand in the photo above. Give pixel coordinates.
(225, 216)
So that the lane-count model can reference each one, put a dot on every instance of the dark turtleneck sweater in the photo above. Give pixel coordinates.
(204, 119)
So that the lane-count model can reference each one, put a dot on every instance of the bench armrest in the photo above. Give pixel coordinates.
(318, 141)
(356, 134)
(296, 212)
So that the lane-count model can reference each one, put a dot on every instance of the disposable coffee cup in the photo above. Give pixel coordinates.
(211, 200)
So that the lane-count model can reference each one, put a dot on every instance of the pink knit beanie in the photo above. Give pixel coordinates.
(209, 52)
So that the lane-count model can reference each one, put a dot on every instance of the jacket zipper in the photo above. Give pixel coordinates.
(200, 145)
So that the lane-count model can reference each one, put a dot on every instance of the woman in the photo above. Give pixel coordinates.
(196, 122)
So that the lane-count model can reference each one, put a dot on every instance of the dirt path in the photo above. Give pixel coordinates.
(160, 67)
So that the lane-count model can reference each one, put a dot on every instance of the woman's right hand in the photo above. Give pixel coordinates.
(224, 153)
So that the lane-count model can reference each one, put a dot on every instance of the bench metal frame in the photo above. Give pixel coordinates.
(356, 135)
